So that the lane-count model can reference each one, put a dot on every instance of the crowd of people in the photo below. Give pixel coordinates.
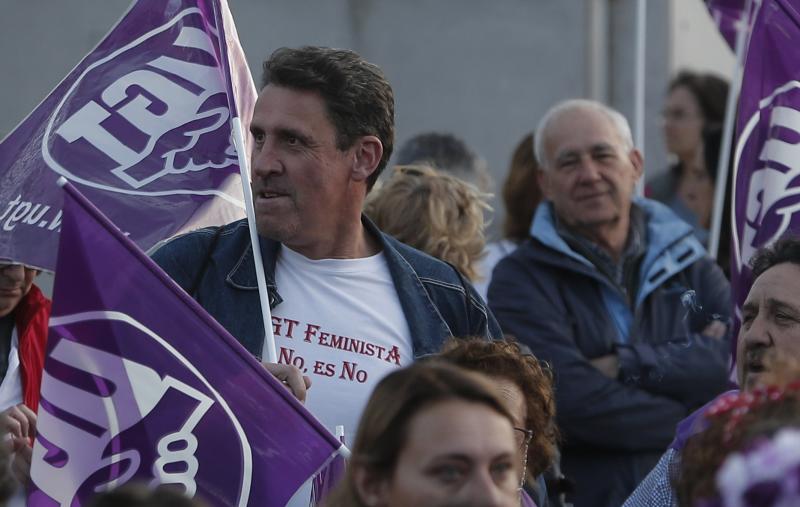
(583, 358)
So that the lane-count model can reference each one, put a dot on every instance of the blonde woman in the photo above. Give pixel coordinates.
(433, 212)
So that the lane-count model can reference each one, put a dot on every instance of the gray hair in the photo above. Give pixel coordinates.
(617, 119)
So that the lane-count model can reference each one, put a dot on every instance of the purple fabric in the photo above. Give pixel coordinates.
(142, 125)
(766, 193)
(326, 481)
(141, 384)
(693, 424)
(726, 14)
(526, 500)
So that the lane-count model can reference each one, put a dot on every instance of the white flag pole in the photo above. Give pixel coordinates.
(268, 350)
(343, 450)
(639, 80)
(742, 29)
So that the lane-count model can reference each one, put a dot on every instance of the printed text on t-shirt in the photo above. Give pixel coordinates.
(313, 333)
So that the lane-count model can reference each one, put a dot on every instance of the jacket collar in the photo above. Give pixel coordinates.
(671, 246)
(425, 322)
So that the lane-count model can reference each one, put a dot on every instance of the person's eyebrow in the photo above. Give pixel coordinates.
(775, 304)
(566, 154)
(601, 147)
(453, 456)
(750, 306)
(286, 132)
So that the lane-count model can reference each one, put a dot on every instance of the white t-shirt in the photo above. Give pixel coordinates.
(11, 385)
(341, 323)
(11, 395)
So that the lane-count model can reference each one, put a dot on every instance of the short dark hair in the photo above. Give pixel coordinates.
(710, 91)
(447, 153)
(786, 249)
(357, 96)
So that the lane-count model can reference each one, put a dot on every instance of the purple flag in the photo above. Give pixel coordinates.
(140, 384)
(326, 481)
(141, 125)
(727, 14)
(766, 194)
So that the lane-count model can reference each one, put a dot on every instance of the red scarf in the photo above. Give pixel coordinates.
(31, 316)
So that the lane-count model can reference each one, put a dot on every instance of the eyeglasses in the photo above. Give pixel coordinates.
(677, 115)
(523, 437)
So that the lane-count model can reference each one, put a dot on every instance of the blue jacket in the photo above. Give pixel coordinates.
(556, 302)
(432, 294)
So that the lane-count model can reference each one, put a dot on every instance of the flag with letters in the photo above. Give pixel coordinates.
(142, 125)
(142, 385)
(766, 192)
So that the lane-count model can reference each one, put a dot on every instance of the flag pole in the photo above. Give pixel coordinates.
(639, 79)
(723, 165)
(268, 349)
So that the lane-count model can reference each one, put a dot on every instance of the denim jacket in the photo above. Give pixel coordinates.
(432, 293)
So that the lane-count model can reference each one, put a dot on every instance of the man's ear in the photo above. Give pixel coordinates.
(370, 488)
(367, 153)
(637, 160)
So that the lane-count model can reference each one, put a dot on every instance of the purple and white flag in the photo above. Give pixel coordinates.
(727, 15)
(142, 125)
(766, 192)
(141, 384)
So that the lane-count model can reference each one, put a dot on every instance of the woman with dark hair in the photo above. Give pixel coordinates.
(712, 144)
(433, 435)
(695, 102)
(521, 195)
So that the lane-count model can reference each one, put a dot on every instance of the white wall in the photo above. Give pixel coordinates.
(696, 42)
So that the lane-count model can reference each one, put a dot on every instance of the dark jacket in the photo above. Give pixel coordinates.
(432, 293)
(556, 302)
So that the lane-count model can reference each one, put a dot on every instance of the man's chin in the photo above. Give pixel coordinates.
(275, 230)
(597, 218)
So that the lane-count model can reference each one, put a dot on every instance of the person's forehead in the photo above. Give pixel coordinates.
(779, 282)
(5, 264)
(683, 96)
(580, 129)
(289, 105)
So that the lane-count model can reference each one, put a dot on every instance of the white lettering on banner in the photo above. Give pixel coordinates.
(770, 185)
(164, 95)
(111, 411)
(18, 212)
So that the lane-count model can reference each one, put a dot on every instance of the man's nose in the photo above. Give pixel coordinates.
(757, 333)
(13, 272)
(589, 169)
(265, 160)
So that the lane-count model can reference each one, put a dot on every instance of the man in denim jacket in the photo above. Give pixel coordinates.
(348, 302)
